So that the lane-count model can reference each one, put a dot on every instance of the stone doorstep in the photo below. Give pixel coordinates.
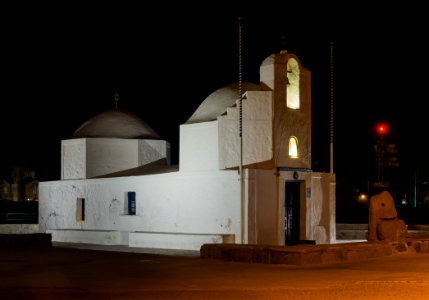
(298, 254)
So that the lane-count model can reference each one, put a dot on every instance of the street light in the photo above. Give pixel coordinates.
(381, 129)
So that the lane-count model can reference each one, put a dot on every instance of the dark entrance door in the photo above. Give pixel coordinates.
(292, 212)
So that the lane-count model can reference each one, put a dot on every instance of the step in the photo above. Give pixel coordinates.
(176, 240)
(85, 236)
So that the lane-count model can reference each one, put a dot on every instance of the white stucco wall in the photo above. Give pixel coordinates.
(178, 202)
(90, 157)
(199, 146)
(263, 207)
(108, 155)
(152, 150)
(73, 159)
(323, 207)
(257, 131)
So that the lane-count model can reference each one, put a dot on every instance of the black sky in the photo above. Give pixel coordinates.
(62, 67)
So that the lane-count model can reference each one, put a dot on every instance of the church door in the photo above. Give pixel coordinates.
(292, 212)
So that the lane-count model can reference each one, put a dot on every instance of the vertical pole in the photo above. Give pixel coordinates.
(332, 229)
(240, 92)
(331, 135)
(381, 158)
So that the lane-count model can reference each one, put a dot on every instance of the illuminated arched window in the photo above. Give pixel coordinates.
(292, 85)
(293, 147)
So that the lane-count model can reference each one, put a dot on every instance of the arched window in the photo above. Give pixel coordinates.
(292, 84)
(293, 147)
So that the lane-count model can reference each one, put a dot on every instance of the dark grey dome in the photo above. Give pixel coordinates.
(115, 123)
(218, 101)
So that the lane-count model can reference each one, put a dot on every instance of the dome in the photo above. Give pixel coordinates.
(115, 123)
(218, 101)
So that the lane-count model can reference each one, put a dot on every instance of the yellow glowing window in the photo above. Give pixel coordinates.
(293, 147)
(292, 85)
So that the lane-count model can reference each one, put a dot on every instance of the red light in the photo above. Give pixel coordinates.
(381, 128)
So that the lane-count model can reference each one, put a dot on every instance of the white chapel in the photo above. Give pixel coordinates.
(244, 174)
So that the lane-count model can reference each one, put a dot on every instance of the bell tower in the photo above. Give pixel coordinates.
(290, 83)
(276, 122)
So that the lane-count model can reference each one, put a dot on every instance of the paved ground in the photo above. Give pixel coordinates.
(66, 272)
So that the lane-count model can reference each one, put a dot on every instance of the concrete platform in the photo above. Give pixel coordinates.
(298, 254)
(301, 254)
(305, 254)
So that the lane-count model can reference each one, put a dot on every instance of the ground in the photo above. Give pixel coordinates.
(61, 272)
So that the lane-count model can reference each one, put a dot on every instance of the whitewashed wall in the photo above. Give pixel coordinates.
(199, 146)
(89, 157)
(178, 202)
(257, 131)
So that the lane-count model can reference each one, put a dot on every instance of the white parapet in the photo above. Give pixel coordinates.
(98, 237)
(184, 241)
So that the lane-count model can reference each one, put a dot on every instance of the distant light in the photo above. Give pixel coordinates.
(362, 198)
(381, 128)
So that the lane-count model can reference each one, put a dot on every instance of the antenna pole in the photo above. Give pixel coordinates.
(240, 92)
(331, 135)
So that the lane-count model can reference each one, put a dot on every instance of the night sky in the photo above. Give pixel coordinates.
(60, 68)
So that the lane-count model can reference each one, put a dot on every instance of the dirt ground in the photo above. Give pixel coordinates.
(71, 273)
